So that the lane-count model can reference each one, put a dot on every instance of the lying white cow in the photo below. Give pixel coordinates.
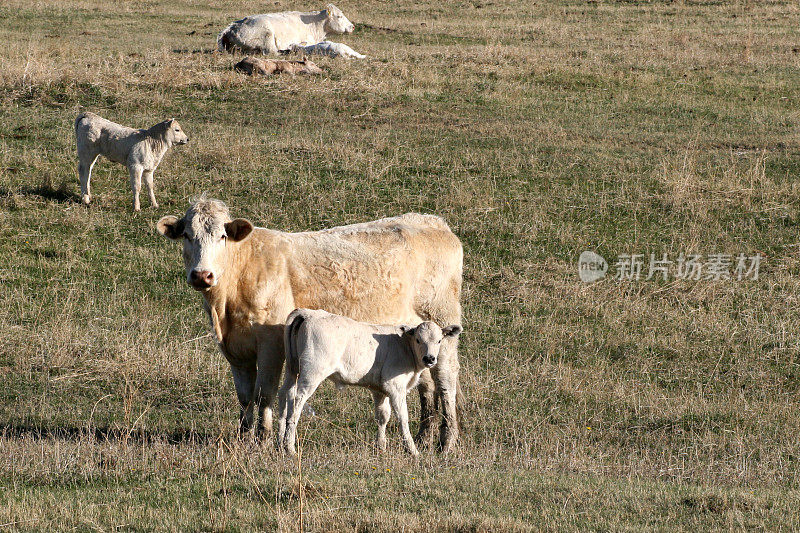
(139, 150)
(398, 270)
(386, 359)
(327, 48)
(272, 32)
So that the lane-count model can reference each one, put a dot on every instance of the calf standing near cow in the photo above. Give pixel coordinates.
(400, 270)
(386, 359)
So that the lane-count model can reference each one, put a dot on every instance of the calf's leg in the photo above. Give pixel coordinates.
(148, 181)
(85, 163)
(288, 388)
(306, 385)
(400, 408)
(136, 184)
(382, 414)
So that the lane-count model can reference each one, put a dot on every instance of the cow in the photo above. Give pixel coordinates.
(139, 150)
(399, 270)
(272, 32)
(267, 67)
(326, 48)
(386, 359)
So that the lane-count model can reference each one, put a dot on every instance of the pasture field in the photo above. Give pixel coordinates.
(538, 130)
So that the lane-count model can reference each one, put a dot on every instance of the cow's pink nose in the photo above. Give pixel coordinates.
(201, 279)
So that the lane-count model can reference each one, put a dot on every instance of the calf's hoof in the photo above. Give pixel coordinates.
(86, 199)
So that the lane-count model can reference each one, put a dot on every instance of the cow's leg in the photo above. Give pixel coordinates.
(136, 184)
(306, 385)
(289, 384)
(427, 417)
(445, 310)
(445, 375)
(270, 365)
(244, 380)
(151, 191)
(400, 408)
(85, 163)
(270, 45)
(382, 414)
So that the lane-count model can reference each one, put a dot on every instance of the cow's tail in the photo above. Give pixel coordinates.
(224, 41)
(293, 323)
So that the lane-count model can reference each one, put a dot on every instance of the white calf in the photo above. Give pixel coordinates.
(327, 48)
(139, 150)
(386, 359)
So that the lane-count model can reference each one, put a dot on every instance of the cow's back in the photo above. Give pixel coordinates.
(288, 27)
(395, 270)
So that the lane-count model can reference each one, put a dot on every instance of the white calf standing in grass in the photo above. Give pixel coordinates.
(140, 150)
(386, 359)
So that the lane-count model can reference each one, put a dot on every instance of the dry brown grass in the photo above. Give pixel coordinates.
(538, 131)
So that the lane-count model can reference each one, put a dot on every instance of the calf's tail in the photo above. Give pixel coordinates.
(80, 117)
(293, 323)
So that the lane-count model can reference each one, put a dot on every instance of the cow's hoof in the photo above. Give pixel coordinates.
(86, 199)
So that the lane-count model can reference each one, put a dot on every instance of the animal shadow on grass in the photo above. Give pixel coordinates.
(106, 433)
(45, 190)
(195, 51)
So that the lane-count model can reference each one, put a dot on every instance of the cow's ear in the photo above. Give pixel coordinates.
(452, 331)
(170, 227)
(331, 9)
(408, 330)
(239, 229)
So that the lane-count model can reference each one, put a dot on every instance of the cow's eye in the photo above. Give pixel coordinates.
(176, 129)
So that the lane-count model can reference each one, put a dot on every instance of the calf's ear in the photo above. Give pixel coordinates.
(407, 330)
(170, 227)
(452, 331)
(239, 229)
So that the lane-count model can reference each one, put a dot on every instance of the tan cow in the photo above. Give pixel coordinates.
(399, 270)
(271, 32)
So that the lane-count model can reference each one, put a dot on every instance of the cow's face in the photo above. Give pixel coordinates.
(426, 341)
(207, 233)
(174, 133)
(337, 22)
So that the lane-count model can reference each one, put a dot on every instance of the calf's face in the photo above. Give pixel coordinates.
(175, 134)
(207, 233)
(426, 340)
(337, 22)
